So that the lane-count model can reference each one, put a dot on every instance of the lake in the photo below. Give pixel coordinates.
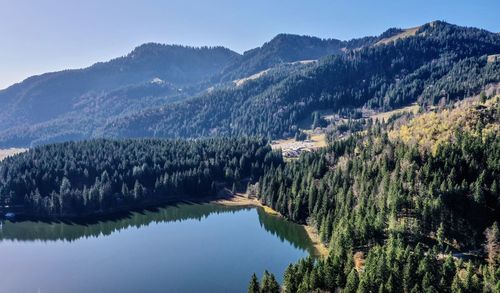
(182, 248)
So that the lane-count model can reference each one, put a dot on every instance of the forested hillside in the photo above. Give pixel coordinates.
(394, 209)
(77, 179)
(441, 62)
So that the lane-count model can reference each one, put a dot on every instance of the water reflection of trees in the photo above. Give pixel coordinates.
(286, 231)
(44, 231)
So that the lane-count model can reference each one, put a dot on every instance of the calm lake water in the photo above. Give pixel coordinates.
(183, 248)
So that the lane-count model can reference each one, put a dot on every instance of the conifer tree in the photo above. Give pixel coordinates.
(254, 286)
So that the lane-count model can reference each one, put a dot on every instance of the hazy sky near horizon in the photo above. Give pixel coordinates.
(50, 35)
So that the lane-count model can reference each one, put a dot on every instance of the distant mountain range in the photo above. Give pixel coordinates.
(177, 91)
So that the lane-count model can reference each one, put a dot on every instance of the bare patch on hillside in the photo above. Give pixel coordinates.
(405, 34)
(384, 116)
(494, 58)
(304, 62)
(10, 152)
(359, 261)
(242, 81)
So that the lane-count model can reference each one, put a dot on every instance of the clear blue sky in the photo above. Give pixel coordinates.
(40, 36)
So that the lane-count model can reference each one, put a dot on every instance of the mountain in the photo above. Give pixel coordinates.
(288, 48)
(283, 48)
(182, 92)
(47, 96)
(437, 62)
(71, 104)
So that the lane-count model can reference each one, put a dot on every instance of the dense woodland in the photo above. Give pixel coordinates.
(76, 179)
(393, 213)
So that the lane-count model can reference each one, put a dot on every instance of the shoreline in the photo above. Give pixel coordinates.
(241, 200)
(227, 199)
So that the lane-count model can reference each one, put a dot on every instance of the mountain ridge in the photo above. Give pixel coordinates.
(402, 70)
